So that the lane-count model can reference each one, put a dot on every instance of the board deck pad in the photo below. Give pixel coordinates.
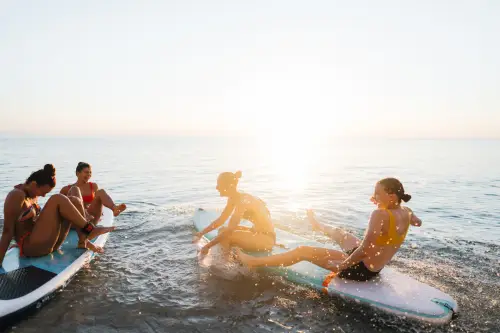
(25, 281)
(22, 281)
(391, 291)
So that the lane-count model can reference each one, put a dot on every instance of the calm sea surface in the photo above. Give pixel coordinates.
(150, 280)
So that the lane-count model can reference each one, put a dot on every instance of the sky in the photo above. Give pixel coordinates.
(419, 69)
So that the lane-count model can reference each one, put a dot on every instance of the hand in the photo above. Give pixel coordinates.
(197, 236)
(204, 250)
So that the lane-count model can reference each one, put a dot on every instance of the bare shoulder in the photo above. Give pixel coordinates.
(15, 196)
(380, 214)
(65, 189)
(95, 187)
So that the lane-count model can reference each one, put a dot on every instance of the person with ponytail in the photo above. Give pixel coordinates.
(359, 260)
(261, 237)
(37, 231)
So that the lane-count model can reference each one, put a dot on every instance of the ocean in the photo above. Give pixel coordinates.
(150, 280)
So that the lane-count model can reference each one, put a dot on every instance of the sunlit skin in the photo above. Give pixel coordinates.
(39, 232)
(258, 238)
(374, 256)
(91, 210)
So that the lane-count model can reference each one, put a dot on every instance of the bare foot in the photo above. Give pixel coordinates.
(245, 259)
(117, 209)
(88, 245)
(312, 219)
(99, 231)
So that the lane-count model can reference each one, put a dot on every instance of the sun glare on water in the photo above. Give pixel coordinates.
(293, 152)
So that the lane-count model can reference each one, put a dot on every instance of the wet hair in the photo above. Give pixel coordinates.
(229, 178)
(45, 176)
(81, 166)
(394, 186)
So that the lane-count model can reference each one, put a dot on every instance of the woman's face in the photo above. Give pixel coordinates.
(225, 190)
(41, 191)
(84, 175)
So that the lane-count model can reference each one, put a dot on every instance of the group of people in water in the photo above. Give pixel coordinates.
(40, 231)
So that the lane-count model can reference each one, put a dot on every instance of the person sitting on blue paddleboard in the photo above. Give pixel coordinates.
(40, 231)
(359, 260)
(90, 200)
(92, 196)
(260, 237)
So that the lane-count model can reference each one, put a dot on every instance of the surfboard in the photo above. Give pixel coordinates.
(391, 291)
(28, 283)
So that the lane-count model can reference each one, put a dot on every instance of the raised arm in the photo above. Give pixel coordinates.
(12, 209)
(414, 220)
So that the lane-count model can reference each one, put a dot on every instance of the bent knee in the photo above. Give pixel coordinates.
(58, 197)
(75, 200)
(74, 191)
(100, 192)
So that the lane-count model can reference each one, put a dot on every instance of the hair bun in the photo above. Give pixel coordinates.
(406, 197)
(49, 169)
(237, 174)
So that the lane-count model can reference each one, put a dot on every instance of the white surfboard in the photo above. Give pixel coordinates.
(391, 291)
(28, 283)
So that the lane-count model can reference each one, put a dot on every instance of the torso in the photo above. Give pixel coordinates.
(381, 253)
(255, 211)
(27, 219)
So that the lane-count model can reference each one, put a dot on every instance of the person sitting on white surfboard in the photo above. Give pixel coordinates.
(39, 232)
(261, 237)
(93, 199)
(359, 260)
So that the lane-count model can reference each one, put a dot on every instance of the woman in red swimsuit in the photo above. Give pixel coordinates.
(93, 198)
(39, 232)
(88, 197)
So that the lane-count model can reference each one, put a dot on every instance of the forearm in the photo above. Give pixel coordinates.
(358, 255)
(214, 225)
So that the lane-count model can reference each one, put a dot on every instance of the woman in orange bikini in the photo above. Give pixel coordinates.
(39, 232)
(89, 199)
(359, 260)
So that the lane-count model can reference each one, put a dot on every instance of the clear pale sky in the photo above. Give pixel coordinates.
(375, 68)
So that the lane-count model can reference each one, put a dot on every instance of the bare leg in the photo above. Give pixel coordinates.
(49, 226)
(345, 240)
(103, 199)
(316, 255)
(83, 242)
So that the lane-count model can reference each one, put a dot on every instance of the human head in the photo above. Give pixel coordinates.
(227, 182)
(83, 171)
(390, 192)
(42, 181)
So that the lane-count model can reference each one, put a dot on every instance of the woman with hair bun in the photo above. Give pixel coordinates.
(359, 260)
(261, 237)
(39, 232)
